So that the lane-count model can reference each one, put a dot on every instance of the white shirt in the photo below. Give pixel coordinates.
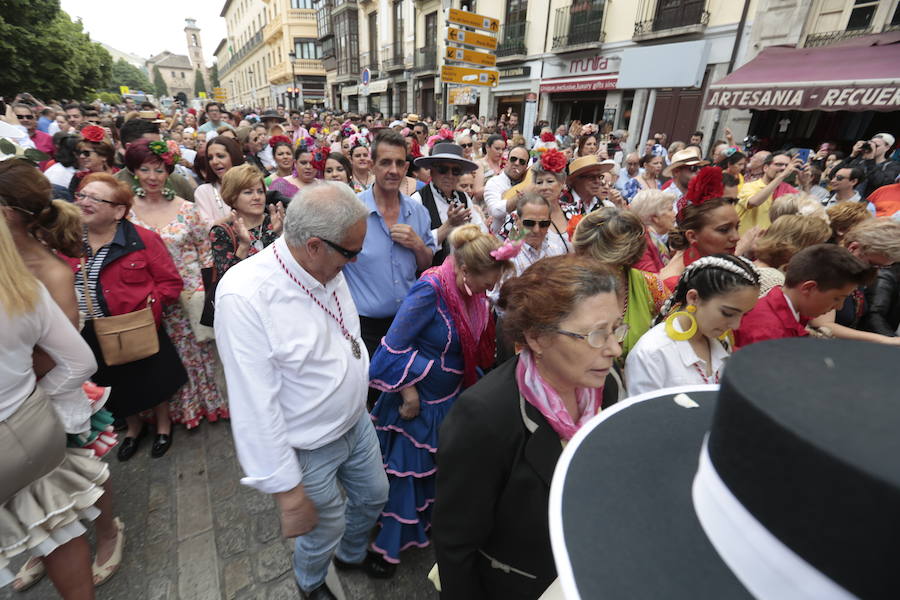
(442, 207)
(657, 361)
(493, 199)
(48, 327)
(58, 174)
(293, 381)
(527, 256)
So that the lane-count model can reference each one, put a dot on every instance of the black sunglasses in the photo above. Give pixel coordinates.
(444, 169)
(86, 153)
(466, 145)
(26, 117)
(839, 178)
(348, 254)
(532, 223)
(521, 161)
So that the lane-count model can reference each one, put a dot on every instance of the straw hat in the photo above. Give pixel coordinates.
(588, 164)
(688, 157)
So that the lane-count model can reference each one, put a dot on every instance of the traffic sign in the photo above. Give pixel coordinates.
(461, 96)
(469, 38)
(123, 89)
(461, 17)
(471, 56)
(220, 94)
(485, 77)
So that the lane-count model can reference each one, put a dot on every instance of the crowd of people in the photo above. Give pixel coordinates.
(404, 319)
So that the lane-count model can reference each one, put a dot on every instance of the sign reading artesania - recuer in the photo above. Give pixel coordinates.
(808, 98)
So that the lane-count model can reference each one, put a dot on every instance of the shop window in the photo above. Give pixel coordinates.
(862, 13)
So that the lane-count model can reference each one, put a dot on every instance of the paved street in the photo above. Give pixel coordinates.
(194, 533)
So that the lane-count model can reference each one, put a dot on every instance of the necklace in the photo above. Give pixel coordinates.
(703, 375)
(339, 318)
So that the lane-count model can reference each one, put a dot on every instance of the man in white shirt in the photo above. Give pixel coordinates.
(494, 189)
(297, 370)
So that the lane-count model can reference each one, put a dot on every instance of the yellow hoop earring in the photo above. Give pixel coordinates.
(674, 333)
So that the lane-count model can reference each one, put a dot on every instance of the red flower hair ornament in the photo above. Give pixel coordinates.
(548, 137)
(706, 185)
(553, 161)
(279, 138)
(93, 133)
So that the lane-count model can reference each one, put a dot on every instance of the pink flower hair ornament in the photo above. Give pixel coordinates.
(507, 251)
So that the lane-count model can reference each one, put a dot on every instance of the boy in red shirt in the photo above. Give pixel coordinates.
(818, 279)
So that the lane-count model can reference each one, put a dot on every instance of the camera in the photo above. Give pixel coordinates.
(866, 147)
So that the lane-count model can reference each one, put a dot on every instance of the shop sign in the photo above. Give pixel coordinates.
(852, 98)
(522, 71)
(378, 87)
(593, 64)
(348, 90)
(585, 85)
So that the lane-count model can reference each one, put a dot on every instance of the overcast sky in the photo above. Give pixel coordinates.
(148, 28)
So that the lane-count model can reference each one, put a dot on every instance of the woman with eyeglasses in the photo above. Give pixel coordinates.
(186, 235)
(439, 344)
(692, 338)
(95, 153)
(501, 441)
(648, 179)
(253, 227)
(616, 238)
(222, 153)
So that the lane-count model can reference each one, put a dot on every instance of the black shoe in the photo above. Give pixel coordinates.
(161, 444)
(130, 445)
(320, 593)
(373, 565)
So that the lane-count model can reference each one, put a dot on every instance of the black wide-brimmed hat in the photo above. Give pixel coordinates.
(271, 114)
(784, 483)
(446, 152)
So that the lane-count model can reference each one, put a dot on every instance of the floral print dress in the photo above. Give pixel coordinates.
(187, 239)
(224, 243)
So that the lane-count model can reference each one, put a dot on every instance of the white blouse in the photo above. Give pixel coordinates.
(208, 201)
(657, 361)
(48, 327)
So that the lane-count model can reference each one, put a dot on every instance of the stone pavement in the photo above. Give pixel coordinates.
(193, 532)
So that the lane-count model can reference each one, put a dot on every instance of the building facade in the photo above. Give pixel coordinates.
(176, 70)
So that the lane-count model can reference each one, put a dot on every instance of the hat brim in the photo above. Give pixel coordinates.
(601, 168)
(278, 118)
(427, 161)
(667, 172)
(617, 535)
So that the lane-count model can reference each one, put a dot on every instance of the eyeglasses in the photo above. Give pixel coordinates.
(348, 254)
(83, 196)
(465, 145)
(522, 161)
(444, 169)
(598, 337)
(839, 178)
(532, 223)
(26, 117)
(86, 153)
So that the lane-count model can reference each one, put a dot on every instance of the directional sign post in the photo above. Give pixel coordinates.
(461, 17)
(467, 76)
(470, 56)
(470, 38)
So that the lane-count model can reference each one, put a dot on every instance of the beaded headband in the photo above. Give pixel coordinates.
(727, 265)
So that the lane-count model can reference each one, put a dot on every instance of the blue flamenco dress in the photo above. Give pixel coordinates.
(422, 348)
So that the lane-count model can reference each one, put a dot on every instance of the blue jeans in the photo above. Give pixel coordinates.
(354, 460)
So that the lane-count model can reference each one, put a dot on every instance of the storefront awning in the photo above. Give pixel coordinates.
(852, 77)
(578, 84)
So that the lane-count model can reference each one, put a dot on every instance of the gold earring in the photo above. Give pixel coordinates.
(674, 333)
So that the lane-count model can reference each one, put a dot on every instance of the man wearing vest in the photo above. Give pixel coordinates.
(447, 207)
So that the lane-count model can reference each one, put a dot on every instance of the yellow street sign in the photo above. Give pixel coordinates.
(471, 56)
(203, 94)
(469, 76)
(461, 17)
(462, 96)
(123, 89)
(469, 38)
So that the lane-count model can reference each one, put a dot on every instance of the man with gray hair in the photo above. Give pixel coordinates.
(288, 334)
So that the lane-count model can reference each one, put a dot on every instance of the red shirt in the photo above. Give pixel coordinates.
(886, 200)
(651, 261)
(771, 319)
(44, 143)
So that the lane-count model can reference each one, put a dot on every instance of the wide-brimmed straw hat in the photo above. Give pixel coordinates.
(446, 152)
(588, 164)
(686, 157)
(412, 119)
(783, 483)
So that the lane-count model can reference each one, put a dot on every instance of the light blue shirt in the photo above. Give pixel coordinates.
(385, 271)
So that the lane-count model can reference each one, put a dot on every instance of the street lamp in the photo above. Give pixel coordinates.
(293, 55)
(252, 86)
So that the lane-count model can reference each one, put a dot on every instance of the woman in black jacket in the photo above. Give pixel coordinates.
(501, 441)
(883, 302)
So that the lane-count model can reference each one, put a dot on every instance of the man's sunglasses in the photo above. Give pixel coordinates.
(444, 169)
(521, 161)
(26, 117)
(533, 223)
(839, 178)
(465, 145)
(348, 254)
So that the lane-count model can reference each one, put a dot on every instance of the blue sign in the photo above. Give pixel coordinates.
(366, 76)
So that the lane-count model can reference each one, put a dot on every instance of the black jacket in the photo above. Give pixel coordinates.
(429, 203)
(496, 459)
(883, 302)
(876, 175)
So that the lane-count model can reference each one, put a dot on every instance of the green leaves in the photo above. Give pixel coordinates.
(199, 84)
(159, 84)
(124, 73)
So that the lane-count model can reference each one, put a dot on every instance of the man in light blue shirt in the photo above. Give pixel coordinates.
(398, 242)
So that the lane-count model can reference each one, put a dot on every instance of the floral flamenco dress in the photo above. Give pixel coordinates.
(424, 347)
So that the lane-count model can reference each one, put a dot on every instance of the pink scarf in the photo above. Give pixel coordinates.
(474, 323)
(540, 395)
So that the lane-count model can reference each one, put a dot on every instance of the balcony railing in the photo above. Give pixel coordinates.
(426, 59)
(348, 67)
(512, 39)
(578, 25)
(827, 38)
(238, 56)
(306, 15)
(281, 72)
(670, 17)
(273, 28)
(392, 56)
(369, 60)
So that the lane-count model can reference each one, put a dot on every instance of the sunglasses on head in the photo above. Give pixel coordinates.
(444, 169)
(348, 254)
(533, 223)
(521, 161)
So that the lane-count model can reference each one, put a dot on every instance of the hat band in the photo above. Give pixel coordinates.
(763, 564)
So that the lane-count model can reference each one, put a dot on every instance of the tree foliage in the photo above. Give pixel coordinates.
(46, 53)
(124, 73)
(159, 84)
(214, 76)
(199, 84)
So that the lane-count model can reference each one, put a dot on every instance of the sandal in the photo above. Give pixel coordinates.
(31, 572)
(104, 572)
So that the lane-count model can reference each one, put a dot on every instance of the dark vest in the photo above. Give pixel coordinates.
(428, 202)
